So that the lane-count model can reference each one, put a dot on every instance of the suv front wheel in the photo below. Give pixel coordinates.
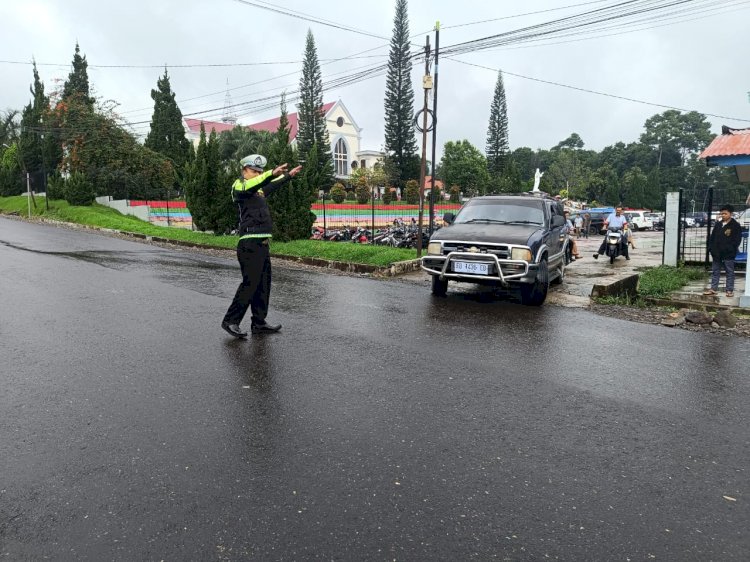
(535, 293)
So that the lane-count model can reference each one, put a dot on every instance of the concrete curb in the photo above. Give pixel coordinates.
(625, 286)
(391, 270)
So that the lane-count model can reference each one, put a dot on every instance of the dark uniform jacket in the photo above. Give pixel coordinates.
(250, 196)
(725, 240)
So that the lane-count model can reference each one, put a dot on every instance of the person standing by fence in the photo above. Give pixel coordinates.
(724, 242)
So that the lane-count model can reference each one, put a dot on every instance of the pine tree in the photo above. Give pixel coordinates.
(290, 205)
(312, 123)
(196, 185)
(400, 141)
(497, 132)
(167, 134)
(30, 143)
(77, 84)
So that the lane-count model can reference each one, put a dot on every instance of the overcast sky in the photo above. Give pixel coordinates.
(701, 64)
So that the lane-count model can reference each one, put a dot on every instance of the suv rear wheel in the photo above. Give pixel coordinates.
(439, 286)
(536, 293)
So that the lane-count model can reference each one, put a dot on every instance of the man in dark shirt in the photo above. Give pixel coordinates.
(724, 242)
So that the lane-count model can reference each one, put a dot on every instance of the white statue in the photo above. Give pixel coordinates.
(537, 177)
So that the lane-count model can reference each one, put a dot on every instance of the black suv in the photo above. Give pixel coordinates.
(515, 241)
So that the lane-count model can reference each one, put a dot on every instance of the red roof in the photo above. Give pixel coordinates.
(732, 142)
(195, 126)
(270, 125)
(428, 183)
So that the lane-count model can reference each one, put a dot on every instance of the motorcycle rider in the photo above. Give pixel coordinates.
(615, 220)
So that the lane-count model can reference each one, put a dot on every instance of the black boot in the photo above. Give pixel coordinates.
(233, 329)
(264, 328)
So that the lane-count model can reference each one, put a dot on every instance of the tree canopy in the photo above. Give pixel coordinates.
(464, 165)
(167, 133)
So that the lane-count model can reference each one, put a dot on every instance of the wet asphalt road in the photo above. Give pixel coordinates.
(381, 424)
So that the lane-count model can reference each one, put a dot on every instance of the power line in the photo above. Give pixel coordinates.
(682, 19)
(299, 15)
(584, 20)
(169, 66)
(521, 15)
(571, 26)
(589, 91)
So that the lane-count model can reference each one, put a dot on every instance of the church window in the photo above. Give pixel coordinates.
(340, 158)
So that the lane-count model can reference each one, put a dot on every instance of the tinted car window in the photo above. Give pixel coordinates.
(507, 212)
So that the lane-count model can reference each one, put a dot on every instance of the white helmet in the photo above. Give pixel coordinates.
(254, 162)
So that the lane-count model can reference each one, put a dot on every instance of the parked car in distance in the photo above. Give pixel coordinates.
(700, 218)
(597, 222)
(658, 221)
(638, 220)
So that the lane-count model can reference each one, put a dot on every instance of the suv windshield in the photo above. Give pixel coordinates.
(500, 212)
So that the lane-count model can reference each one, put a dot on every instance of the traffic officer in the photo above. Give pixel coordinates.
(253, 253)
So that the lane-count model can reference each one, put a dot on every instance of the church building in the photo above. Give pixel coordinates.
(343, 132)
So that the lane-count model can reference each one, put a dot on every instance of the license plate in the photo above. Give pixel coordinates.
(474, 268)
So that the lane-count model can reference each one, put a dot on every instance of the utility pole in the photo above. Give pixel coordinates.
(434, 129)
(28, 193)
(427, 85)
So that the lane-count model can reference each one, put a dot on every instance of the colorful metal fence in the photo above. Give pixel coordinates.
(375, 215)
(167, 213)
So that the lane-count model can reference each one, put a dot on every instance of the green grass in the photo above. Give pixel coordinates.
(658, 282)
(104, 217)
(344, 252)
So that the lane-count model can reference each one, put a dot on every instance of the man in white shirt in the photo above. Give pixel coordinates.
(615, 220)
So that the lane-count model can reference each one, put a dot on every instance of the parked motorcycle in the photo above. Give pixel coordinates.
(361, 236)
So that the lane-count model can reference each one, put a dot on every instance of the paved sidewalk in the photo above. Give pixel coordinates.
(587, 277)
(693, 293)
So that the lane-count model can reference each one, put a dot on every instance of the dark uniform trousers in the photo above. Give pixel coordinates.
(255, 289)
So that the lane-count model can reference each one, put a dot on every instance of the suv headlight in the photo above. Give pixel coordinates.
(435, 249)
(523, 254)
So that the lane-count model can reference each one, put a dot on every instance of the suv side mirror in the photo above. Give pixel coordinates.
(449, 218)
(557, 221)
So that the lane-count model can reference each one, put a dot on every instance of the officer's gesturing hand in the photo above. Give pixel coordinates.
(278, 170)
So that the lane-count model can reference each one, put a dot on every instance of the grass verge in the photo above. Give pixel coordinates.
(105, 217)
(658, 282)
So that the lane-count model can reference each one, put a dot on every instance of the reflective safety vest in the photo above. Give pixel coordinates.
(250, 196)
